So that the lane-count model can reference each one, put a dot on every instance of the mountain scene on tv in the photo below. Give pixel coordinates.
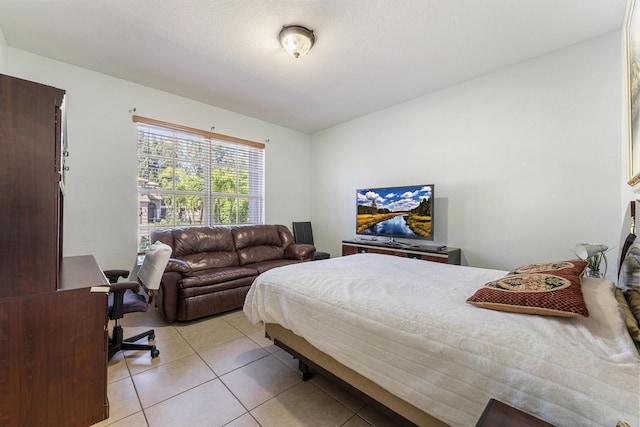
(401, 211)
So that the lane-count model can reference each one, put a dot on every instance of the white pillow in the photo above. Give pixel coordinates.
(153, 265)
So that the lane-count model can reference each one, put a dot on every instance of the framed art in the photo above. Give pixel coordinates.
(632, 43)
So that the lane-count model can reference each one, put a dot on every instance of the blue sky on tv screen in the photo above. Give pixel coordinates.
(396, 199)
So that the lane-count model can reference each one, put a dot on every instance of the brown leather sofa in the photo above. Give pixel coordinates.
(211, 268)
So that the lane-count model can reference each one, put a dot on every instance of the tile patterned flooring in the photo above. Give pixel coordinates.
(221, 371)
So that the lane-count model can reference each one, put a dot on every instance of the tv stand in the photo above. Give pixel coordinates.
(393, 244)
(447, 255)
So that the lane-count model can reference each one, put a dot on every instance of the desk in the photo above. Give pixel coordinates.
(53, 362)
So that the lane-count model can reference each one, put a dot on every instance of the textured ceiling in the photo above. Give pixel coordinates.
(369, 54)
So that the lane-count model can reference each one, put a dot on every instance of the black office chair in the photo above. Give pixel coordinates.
(124, 298)
(302, 233)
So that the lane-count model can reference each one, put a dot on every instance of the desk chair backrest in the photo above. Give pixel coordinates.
(302, 233)
(152, 268)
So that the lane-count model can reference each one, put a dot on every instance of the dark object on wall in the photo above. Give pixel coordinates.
(302, 233)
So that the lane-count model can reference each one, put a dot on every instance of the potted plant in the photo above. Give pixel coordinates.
(593, 265)
(593, 253)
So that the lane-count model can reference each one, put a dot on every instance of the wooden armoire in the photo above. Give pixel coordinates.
(53, 328)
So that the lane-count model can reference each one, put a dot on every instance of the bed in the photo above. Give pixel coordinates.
(400, 332)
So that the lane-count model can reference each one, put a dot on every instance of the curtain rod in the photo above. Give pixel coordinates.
(206, 134)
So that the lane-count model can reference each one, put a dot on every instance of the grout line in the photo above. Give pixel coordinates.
(219, 377)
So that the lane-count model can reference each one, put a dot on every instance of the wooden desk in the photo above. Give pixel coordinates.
(53, 339)
(53, 363)
(81, 272)
(498, 414)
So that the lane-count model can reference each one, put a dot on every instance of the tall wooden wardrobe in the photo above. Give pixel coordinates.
(53, 329)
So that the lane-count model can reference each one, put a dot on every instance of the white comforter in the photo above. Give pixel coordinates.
(405, 325)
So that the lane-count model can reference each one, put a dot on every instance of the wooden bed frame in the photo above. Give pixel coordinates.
(313, 360)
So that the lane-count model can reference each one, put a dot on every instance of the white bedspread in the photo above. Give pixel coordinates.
(404, 324)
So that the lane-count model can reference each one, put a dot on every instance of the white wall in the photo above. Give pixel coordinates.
(627, 193)
(4, 53)
(100, 210)
(526, 160)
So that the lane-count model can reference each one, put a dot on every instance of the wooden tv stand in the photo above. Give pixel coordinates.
(423, 252)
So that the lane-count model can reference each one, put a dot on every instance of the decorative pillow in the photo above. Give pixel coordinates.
(633, 299)
(564, 268)
(550, 289)
(629, 320)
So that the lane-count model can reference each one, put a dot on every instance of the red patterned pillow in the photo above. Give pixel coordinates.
(562, 268)
(550, 289)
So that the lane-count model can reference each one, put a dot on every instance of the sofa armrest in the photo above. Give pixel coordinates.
(178, 266)
(167, 297)
(300, 251)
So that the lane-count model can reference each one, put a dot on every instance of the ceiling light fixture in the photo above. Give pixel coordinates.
(296, 40)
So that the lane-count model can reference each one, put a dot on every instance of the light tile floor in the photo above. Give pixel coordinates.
(221, 371)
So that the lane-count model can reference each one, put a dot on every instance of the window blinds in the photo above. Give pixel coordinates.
(196, 178)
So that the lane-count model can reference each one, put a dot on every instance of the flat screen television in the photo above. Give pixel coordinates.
(396, 212)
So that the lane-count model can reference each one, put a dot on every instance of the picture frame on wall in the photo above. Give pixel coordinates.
(632, 44)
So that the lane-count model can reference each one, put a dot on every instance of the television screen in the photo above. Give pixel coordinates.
(404, 212)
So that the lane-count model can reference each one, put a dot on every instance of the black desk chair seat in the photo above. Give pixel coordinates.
(124, 298)
(302, 233)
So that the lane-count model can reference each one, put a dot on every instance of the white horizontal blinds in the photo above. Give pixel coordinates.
(237, 183)
(189, 178)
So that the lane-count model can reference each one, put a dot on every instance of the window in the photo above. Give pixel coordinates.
(192, 177)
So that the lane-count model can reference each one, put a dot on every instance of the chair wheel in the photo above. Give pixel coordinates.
(155, 353)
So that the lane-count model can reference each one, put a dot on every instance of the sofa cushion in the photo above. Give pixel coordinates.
(286, 237)
(217, 275)
(204, 247)
(263, 266)
(256, 235)
(257, 243)
(259, 254)
(189, 240)
(207, 260)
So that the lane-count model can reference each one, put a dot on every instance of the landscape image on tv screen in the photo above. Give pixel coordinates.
(396, 211)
